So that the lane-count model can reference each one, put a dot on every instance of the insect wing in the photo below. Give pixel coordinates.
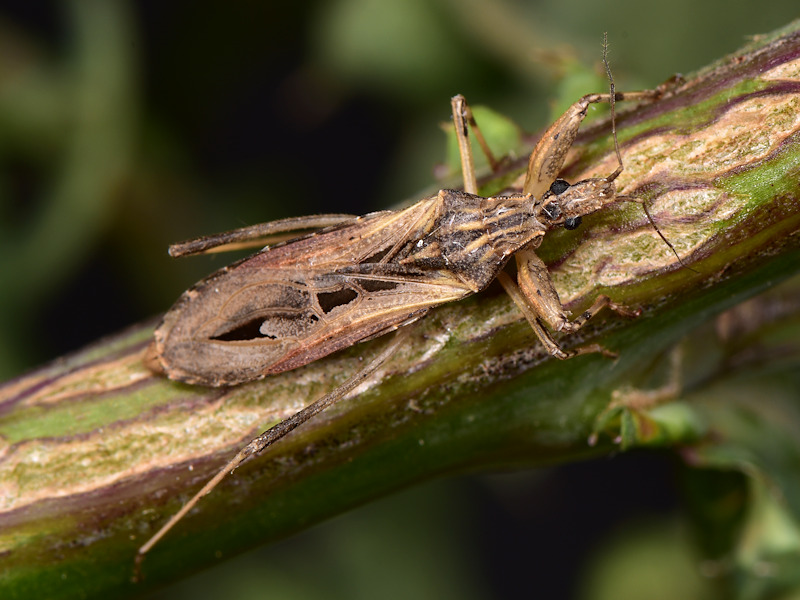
(292, 304)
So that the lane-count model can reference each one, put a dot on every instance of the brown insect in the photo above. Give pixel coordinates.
(355, 278)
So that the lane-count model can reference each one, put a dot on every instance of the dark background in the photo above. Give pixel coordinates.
(125, 126)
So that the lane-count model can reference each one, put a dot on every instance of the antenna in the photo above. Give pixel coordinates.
(612, 103)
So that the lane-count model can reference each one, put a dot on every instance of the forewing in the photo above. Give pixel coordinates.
(289, 305)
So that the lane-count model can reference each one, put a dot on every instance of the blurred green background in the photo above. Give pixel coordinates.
(125, 126)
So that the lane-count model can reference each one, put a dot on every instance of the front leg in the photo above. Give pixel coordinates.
(538, 299)
(547, 158)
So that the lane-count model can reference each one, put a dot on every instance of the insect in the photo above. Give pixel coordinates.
(355, 278)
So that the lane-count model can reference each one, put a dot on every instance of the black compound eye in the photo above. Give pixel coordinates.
(559, 186)
(552, 210)
(572, 222)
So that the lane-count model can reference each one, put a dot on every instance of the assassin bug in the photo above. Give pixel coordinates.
(356, 278)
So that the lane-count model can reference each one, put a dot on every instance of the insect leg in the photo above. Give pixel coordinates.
(463, 121)
(512, 289)
(256, 235)
(275, 433)
(538, 299)
(535, 282)
(534, 319)
(547, 158)
(643, 399)
(639, 400)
